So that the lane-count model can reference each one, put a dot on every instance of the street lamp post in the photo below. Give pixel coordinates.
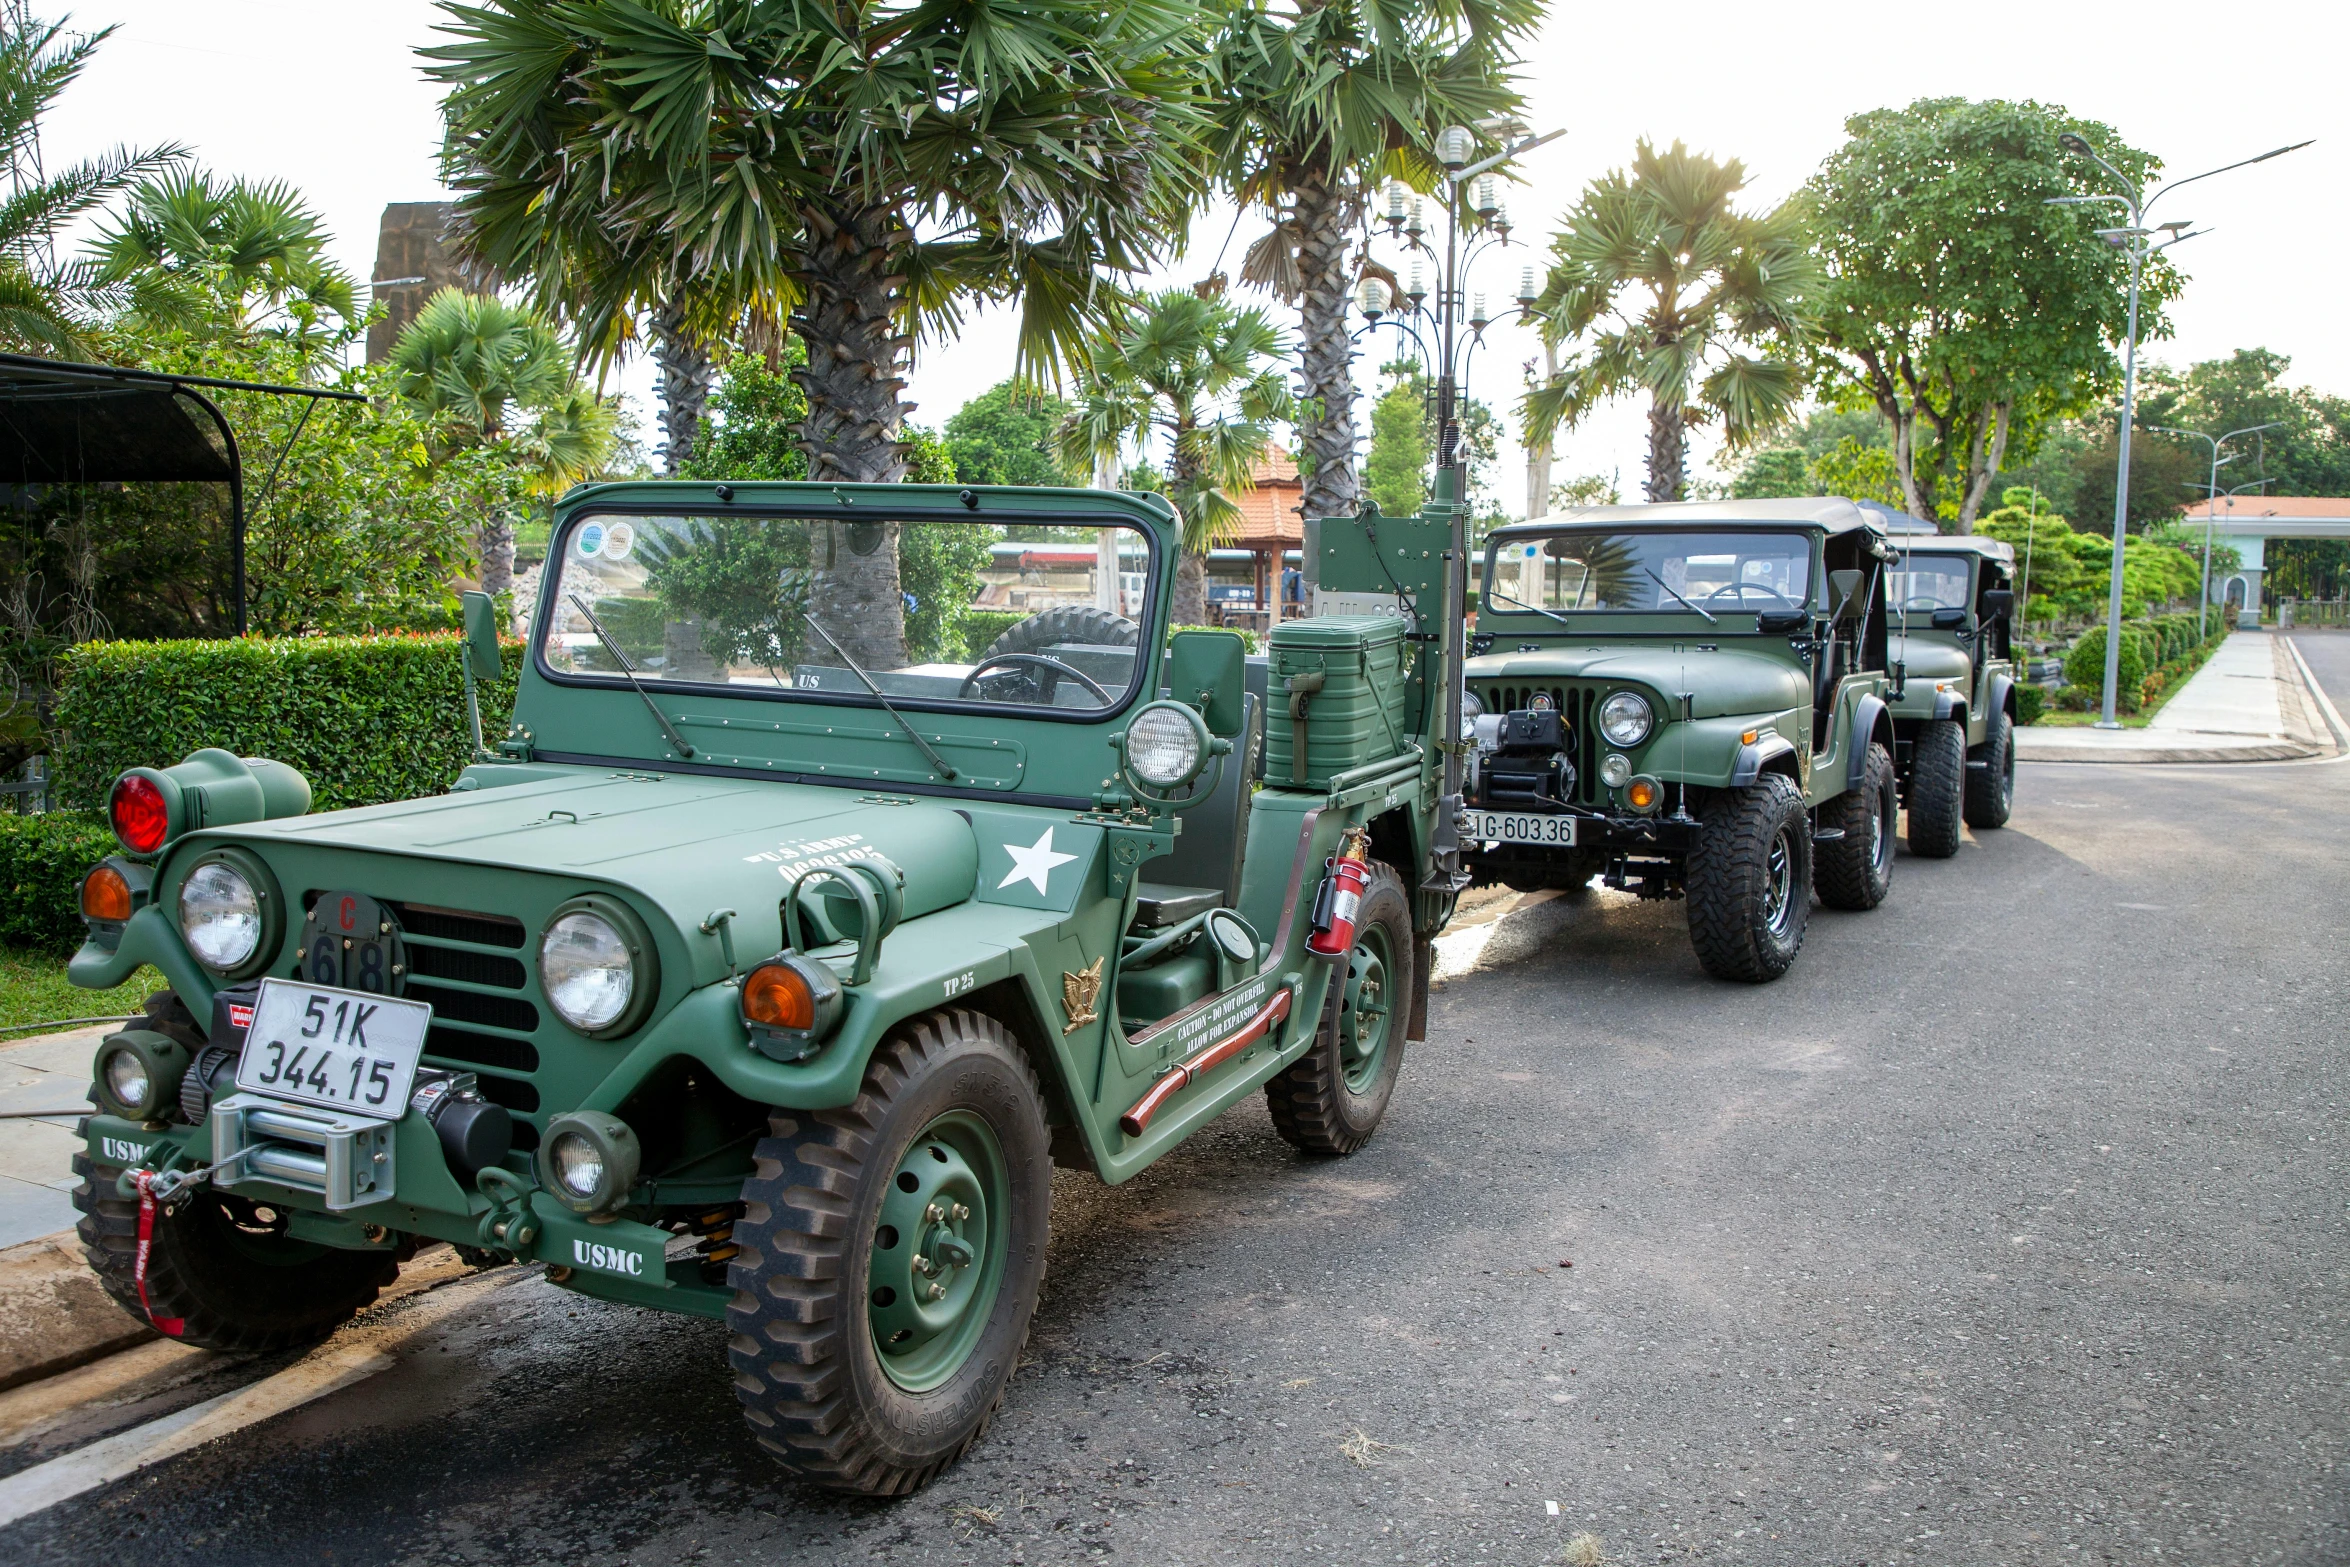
(2138, 241)
(1487, 228)
(2211, 503)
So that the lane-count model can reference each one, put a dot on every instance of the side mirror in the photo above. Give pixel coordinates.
(1951, 620)
(1844, 593)
(483, 661)
(1207, 672)
(1998, 603)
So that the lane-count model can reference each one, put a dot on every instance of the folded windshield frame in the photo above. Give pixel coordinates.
(1137, 544)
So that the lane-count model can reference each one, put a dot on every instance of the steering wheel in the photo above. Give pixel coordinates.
(1044, 683)
(1924, 601)
(1739, 590)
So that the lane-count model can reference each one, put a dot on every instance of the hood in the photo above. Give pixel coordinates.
(1928, 658)
(1726, 680)
(689, 844)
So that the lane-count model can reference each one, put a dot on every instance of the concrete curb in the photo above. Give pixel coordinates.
(2276, 751)
(2317, 696)
(54, 1315)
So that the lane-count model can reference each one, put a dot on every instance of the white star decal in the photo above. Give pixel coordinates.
(1033, 863)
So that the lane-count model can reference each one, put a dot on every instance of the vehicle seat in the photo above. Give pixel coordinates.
(1206, 858)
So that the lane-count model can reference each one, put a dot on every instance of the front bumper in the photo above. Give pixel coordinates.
(1658, 837)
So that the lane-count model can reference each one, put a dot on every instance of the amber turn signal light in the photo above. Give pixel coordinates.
(1642, 794)
(789, 1004)
(106, 895)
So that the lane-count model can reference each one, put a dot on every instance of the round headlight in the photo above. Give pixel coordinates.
(587, 970)
(1615, 769)
(1624, 718)
(578, 1164)
(127, 1080)
(220, 915)
(1164, 745)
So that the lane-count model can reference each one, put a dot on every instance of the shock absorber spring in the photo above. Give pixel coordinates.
(715, 1226)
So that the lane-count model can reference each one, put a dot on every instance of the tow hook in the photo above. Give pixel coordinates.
(509, 1226)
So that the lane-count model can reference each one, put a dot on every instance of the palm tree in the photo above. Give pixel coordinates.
(1314, 105)
(470, 361)
(1666, 290)
(1206, 375)
(48, 307)
(854, 172)
(233, 257)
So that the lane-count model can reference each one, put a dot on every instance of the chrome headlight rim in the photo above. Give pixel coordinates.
(1615, 770)
(1625, 718)
(269, 905)
(636, 939)
(1185, 725)
(617, 1154)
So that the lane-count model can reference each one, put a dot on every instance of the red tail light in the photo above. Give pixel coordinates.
(141, 818)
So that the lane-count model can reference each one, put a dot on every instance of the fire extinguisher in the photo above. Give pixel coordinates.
(1344, 878)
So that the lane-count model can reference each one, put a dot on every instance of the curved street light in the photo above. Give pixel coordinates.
(2211, 494)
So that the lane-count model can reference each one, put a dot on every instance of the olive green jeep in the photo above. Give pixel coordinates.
(1952, 604)
(1689, 701)
(767, 965)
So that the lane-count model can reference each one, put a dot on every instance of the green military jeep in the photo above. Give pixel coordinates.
(1954, 708)
(769, 963)
(1689, 700)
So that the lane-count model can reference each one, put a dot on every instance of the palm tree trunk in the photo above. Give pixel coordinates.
(1325, 217)
(855, 370)
(686, 378)
(495, 539)
(1668, 454)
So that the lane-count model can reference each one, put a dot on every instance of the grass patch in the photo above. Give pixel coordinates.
(33, 989)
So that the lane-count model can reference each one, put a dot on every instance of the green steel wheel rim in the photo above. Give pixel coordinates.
(1779, 882)
(1364, 1017)
(938, 1251)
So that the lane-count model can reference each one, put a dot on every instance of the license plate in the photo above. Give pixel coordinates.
(342, 1049)
(1517, 827)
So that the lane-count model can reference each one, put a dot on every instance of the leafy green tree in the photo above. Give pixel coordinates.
(1006, 435)
(2308, 453)
(1396, 473)
(1961, 305)
(1773, 471)
(1857, 471)
(470, 363)
(1671, 292)
(232, 258)
(1314, 103)
(1203, 375)
(47, 307)
(1588, 489)
(867, 167)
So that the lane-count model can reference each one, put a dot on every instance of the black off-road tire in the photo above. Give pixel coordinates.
(1937, 788)
(1081, 623)
(1856, 870)
(1319, 1103)
(1990, 794)
(213, 1265)
(806, 1368)
(1749, 881)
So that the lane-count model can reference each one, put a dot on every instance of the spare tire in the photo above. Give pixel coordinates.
(1081, 623)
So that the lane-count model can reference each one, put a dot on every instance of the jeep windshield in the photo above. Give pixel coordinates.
(1928, 582)
(1673, 571)
(917, 612)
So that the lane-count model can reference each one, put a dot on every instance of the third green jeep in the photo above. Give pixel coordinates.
(1689, 699)
(1952, 601)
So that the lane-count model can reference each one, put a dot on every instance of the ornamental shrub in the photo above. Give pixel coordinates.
(2030, 702)
(365, 719)
(42, 861)
(2085, 664)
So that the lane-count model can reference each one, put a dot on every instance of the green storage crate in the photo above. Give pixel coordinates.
(1344, 683)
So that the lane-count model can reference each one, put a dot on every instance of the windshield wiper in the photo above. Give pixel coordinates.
(1522, 604)
(676, 740)
(938, 763)
(1668, 587)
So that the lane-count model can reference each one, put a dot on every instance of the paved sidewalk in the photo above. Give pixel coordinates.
(2252, 702)
(48, 1072)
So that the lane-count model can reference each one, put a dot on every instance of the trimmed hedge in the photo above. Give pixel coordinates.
(42, 860)
(365, 719)
(2156, 654)
(2030, 703)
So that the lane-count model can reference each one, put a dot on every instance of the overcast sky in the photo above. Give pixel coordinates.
(327, 94)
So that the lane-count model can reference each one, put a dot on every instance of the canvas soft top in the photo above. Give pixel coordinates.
(1960, 544)
(1829, 513)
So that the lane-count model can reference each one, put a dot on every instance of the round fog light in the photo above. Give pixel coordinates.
(589, 1160)
(127, 1082)
(138, 1074)
(1615, 770)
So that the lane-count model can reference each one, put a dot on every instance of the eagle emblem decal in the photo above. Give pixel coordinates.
(1079, 992)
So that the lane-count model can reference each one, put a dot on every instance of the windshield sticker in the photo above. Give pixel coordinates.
(619, 539)
(791, 858)
(591, 540)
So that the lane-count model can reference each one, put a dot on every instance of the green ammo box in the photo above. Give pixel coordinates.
(1338, 691)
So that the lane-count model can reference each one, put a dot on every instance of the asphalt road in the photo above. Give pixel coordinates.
(2009, 1228)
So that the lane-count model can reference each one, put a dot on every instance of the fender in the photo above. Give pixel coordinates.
(1868, 723)
(1946, 706)
(2002, 696)
(1753, 758)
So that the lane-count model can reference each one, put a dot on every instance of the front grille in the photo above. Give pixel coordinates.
(460, 960)
(471, 1006)
(438, 924)
(471, 968)
(1578, 705)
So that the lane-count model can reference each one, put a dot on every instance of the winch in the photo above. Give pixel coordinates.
(1522, 760)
